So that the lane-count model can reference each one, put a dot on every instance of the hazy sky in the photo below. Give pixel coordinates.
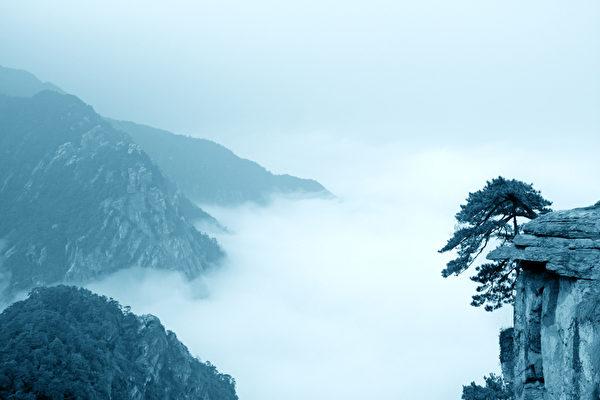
(400, 108)
(388, 70)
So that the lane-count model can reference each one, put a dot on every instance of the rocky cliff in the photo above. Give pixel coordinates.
(555, 352)
(79, 199)
(68, 343)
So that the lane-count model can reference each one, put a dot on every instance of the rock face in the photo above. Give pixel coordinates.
(79, 199)
(556, 336)
(507, 356)
(69, 343)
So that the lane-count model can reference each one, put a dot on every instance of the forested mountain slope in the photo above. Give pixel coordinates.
(68, 343)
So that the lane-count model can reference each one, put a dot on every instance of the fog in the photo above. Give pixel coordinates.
(399, 108)
(381, 70)
(343, 298)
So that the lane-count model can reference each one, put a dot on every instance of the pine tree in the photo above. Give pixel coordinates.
(491, 217)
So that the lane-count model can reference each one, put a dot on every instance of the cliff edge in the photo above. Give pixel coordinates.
(555, 350)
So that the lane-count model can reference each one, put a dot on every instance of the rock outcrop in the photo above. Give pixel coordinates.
(555, 351)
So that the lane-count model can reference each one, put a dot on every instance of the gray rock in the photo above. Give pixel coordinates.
(567, 242)
(556, 337)
(579, 223)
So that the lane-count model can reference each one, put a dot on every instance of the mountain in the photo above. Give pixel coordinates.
(79, 199)
(19, 83)
(204, 170)
(69, 343)
(210, 173)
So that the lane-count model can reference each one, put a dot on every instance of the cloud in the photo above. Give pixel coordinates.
(420, 103)
(327, 299)
(324, 300)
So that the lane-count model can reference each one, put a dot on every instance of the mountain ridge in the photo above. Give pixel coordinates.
(19, 83)
(94, 201)
(204, 170)
(195, 162)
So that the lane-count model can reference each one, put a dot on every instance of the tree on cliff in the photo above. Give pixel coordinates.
(491, 217)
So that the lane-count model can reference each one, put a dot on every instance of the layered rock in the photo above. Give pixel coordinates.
(556, 337)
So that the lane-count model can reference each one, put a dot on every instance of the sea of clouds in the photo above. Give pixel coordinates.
(343, 298)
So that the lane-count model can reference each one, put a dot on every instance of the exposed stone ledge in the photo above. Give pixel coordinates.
(567, 242)
(579, 223)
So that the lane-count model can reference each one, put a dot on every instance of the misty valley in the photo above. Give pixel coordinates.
(314, 200)
(81, 200)
(255, 278)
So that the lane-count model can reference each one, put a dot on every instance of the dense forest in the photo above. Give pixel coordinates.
(65, 342)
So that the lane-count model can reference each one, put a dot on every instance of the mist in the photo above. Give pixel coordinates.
(400, 109)
(240, 72)
(343, 298)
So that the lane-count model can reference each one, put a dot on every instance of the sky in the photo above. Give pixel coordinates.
(379, 70)
(399, 108)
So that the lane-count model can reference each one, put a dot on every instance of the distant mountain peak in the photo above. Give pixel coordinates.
(210, 173)
(19, 83)
(204, 170)
(80, 199)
